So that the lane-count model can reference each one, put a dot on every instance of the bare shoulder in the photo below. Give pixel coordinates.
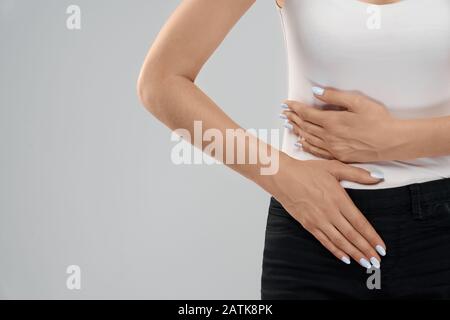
(280, 3)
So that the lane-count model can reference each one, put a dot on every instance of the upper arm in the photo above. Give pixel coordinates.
(191, 35)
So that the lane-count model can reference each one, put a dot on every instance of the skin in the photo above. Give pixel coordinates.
(365, 131)
(308, 190)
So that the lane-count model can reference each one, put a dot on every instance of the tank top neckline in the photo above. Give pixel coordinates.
(360, 3)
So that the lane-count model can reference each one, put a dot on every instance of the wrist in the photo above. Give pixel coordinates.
(393, 139)
(397, 137)
(272, 182)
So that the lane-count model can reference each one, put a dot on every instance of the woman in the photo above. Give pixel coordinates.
(365, 164)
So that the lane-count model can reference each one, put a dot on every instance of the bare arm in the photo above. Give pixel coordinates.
(422, 138)
(309, 190)
(167, 81)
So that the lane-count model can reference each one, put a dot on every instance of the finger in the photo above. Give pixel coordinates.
(350, 211)
(348, 172)
(305, 125)
(358, 240)
(343, 244)
(312, 139)
(351, 100)
(360, 223)
(312, 128)
(307, 112)
(316, 151)
(338, 253)
(287, 124)
(294, 128)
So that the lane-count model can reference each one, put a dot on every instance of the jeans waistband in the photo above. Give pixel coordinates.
(417, 196)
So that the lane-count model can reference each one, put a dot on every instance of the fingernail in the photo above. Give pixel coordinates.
(284, 106)
(345, 260)
(366, 264)
(381, 250)
(375, 262)
(283, 116)
(377, 174)
(288, 125)
(298, 145)
(318, 91)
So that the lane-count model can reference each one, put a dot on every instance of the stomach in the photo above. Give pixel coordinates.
(427, 103)
(405, 65)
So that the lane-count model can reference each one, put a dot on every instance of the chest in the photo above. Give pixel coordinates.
(351, 29)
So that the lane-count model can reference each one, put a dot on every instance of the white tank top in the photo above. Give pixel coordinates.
(397, 53)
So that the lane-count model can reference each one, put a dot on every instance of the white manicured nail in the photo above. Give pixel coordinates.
(377, 174)
(380, 250)
(283, 116)
(288, 125)
(284, 106)
(345, 260)
(318, 91)
(366, 264)
(375, 262)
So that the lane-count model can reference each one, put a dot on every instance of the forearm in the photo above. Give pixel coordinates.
(178, 103)
(167, 82)
(417, 138)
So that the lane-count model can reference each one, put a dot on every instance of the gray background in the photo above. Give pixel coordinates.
(85, 171)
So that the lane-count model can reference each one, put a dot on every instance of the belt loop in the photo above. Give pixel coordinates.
(414, 190)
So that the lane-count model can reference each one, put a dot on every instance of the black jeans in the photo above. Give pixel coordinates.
(414, 222)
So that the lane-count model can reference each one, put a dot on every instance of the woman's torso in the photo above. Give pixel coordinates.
(398, 54)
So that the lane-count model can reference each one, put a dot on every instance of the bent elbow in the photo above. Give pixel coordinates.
(155, 85)
(147, 92)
